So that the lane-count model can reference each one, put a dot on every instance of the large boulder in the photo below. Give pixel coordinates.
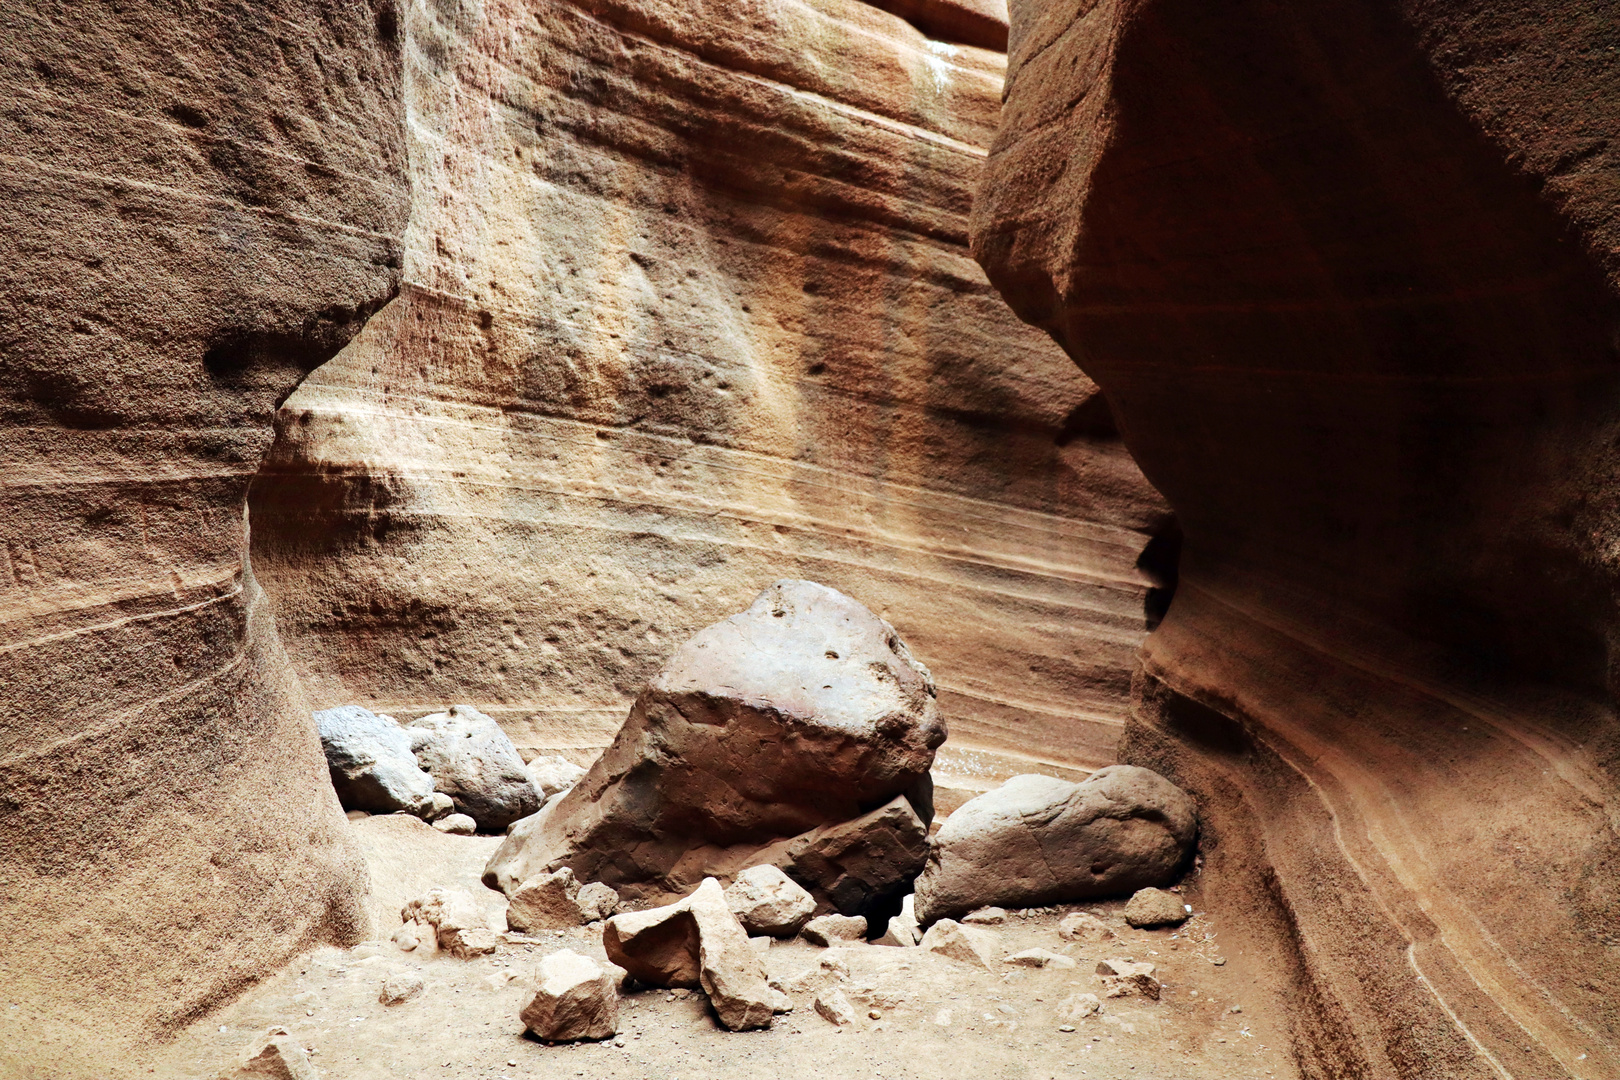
(803, 711)
(371, 762)
(1038, 840)
(474, 763)
(697, 942)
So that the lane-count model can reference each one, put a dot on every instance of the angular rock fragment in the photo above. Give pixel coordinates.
(453, 921)
(456, 824)
(798, 713)
(1084, 926)
(857, 867)
(828, 971)
(275, 1056)
(902, 929)
(597, 901)
(1127, 978)
(1039, 958)
(767, 901)
(985, 916)
(474, 763)
(697, 942)
(1155, 907)
(826, 930)
(1079, 1006)
(558, 902)
(576, 999)
(834, 1007)
(951, 939)
(370, 761)
(400, 988)
(1038, 840)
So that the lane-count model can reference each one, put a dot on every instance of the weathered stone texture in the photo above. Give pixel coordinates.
(688, 308)
(200, 204)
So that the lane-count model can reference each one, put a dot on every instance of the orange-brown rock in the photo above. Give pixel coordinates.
(1348, 272)
(688, 308)
(201, 203)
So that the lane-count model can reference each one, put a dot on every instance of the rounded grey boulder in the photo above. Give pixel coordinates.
(474, 763)
(371, 763)
(1037, 840)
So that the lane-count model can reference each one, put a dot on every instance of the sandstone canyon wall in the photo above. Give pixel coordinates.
(1348, 273)
(688, 308)
(202, 203)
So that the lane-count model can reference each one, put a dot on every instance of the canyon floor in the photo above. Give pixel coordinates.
(937, 1017)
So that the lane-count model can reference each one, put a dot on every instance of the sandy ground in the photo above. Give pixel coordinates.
(935, 1017)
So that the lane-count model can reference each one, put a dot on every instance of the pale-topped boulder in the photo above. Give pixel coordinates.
(452, 921)
(803, 711)
(951, 939)
(474, 763)
(1037, 840)
(577, 999)
(697, 943)
(767, 901)
(1155, 907)
(370, 760)
(553, 774)
(829, 930)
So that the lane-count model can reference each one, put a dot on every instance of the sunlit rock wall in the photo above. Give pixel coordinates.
(688, 308)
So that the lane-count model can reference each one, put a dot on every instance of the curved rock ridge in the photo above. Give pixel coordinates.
(1349, 273)
(202, 202)
(688, 309)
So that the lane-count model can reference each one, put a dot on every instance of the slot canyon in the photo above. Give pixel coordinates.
(1136, 479)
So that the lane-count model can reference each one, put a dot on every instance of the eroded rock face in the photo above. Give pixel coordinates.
(1039, 840)
(197, 213)
(800, 712)
(714, 325)
(1349, 273)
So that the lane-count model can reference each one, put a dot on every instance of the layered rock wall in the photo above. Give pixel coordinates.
(201, 204)
(1348, 272)
(688, 308)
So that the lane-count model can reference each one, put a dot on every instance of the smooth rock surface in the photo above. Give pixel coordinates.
(371, 763)
(1349, 273)
(553, 774)
(457, 825)
(767, 901)
(474, 762)
(1037, 840)
(789, 716)
(1150, 908)
(576, 999)
(697, 942)
(196, 214)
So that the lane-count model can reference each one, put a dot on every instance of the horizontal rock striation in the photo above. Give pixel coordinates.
(201, 204)
(1348, 273)
(688, 308)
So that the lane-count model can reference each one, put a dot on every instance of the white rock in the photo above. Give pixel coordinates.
(553, 774)
(369, 758)
(966, 944)
(985, 916)
(1084, 926)
(767, 901)
(456, 824)
(903, 930)
(835, 929)
(474, 762)
(400, 988)
(577, 999)
(835, 1007)
(1080, 1006)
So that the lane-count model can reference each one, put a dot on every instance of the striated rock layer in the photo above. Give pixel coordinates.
(199, 206)
(1348, 273)
(688, 308)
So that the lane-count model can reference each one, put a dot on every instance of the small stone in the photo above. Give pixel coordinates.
(467, 944)
(1080, 1006)
(553, 774)
(985, 916)
(1154, 907)
(1038, 958)
(356, 815)
(1235, 1009)
(835, 1007)
(398, 989)
(440, 806)
(875, 1015)
(1218, 961)
(767, 901)
(405, 937)
(762, 943)
(902, 930)
(577, 999)
(1066, 1028)
(826, 930)
(966, 944)
(1084, 926)
(597, 901)
(275, 1056)
(456, 825)
(1125, 978)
